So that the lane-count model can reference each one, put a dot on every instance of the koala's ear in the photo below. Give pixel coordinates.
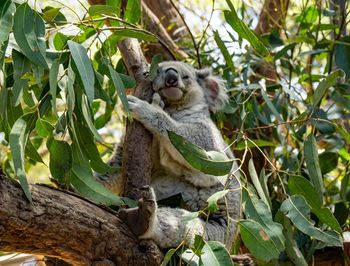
(214, 89)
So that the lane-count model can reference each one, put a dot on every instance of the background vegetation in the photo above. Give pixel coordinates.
(63, 83)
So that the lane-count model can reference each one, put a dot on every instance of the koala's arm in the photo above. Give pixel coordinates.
(157, 121)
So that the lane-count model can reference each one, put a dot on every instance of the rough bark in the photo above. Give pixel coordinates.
(168, 17)
(153, 24)
(68, 227)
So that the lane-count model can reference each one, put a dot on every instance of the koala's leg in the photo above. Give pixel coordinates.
(169, 227)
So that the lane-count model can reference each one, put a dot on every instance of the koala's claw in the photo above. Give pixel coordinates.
(139, 219)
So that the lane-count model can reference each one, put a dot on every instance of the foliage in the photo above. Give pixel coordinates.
(58, 89)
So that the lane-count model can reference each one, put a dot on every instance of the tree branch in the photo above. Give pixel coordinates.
(67, 227)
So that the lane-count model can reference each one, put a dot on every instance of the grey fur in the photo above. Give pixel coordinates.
(189, 117)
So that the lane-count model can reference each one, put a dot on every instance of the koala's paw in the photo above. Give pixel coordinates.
(157, 100)
(139, 219)
(140, 109)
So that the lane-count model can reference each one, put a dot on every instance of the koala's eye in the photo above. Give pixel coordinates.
(186, 77)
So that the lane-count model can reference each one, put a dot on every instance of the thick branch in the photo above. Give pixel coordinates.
(67, 227)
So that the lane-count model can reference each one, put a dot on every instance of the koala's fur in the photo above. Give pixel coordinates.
(182, 103)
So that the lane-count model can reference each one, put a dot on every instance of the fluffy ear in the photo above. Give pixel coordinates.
(214, 89)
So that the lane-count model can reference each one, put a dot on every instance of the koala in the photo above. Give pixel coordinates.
(182, 102)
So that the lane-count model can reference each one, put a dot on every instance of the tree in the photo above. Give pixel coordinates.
(56, 99)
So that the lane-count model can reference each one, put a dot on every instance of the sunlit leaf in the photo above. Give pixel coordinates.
(213, 199)
(43, 127)
(98, 10)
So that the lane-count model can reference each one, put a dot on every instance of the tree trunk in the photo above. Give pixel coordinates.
(68, 227)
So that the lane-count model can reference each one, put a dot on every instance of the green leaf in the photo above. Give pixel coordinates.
(43, 127)
(252, 143)
(212, 200)
(7, 8)
(21, 66)
(53, 75)
(119, 86)
(298, 211)
(325, 84)
(284, 50)
(88, 146)
(214, 253)
(209, 162)
(84, 67)
(136, 33)
(60, 159)
(258, 211)
(313, 166)
(292, 249)
(328, 161)
(301, 186)
(168, 256)
(271, 106)
(133, 11)
(98, 10)
(257, 240)
(29, 32)
(70, 90)
(342, 54)
(224, 51)
(88, 119)
(243, 31)
(18, 140)
(60, 41)
(83, 181)
(256, 182)
(32, 153)
(154, 66)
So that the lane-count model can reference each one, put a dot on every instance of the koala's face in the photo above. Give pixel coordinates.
(177, 83)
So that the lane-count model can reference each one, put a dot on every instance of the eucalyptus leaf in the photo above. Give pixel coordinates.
(154, 66)
(119, 86)
(224, 51)
(21, 66)
(209, 162)
(325, 84)
(60, 159)
(298, 211)
(84, 67)
(214, 253)
(8, 9)
(18, 139)
(313, 166)
(83, 181)
(243, 31)
(29, 32)
(98, 10)
(53, 83)
(257, 240)
(301, 186)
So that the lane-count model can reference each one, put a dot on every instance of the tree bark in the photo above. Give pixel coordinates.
(68, 227)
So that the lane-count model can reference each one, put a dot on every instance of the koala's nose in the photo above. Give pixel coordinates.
(171, 77)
